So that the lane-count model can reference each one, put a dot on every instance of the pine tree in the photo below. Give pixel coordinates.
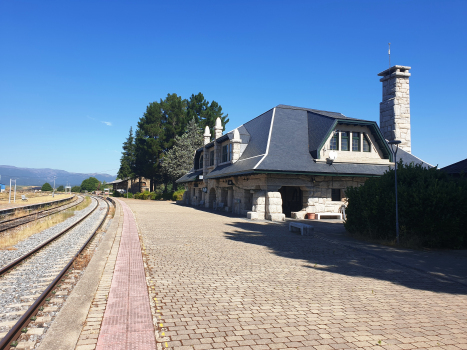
(205, 113)
(128, 158)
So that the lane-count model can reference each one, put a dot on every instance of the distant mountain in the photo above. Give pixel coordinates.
(37, 177)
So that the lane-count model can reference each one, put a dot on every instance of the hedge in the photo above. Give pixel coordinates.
(432, 208)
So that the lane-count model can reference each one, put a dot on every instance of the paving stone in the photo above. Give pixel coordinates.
(230, 283)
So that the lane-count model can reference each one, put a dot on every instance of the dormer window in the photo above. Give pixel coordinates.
(356, 141)
(226, 153)
(366, 144)
(345, 141)
(211, 158)
(201, 160)
(334, 144)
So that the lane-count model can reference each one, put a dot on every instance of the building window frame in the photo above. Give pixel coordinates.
(356, 141)
(336, 194)
(226, 153)
(366, 143)
(211, 158)
(201, 160)
(345, 141)
(334, 142)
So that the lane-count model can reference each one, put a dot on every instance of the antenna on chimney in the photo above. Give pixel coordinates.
(389, 54)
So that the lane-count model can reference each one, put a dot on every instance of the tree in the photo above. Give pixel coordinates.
(76, 189)
(46, 187)
(127, 161)
(60, 188)
(148, 143)
(205, 113)
(90, 184)
(179, 160)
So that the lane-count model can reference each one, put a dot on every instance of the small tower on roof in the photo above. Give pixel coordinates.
(394, 117)
(218, 128)
(207, 135)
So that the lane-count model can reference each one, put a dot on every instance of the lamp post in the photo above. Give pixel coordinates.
(396, 142)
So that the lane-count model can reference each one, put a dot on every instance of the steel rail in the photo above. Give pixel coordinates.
(21, 218)
(8, 211)
(39, 247)
(15, 331)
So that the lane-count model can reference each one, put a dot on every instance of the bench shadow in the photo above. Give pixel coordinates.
(331, 249)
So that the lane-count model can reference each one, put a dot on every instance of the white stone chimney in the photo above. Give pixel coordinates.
(218, 128)
(394, 117)
(207, 135)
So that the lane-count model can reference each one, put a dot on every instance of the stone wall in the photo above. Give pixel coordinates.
(258, 196)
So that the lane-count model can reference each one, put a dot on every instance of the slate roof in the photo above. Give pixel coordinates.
(456, 168)
(297, 135)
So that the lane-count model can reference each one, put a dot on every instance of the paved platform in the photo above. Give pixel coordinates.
(228, 283)
(128, 322)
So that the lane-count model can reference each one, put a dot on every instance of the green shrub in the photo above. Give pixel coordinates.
(178, 195)
(116, 194)
(432, 208)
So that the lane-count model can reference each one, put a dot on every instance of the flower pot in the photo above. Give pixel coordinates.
(311, 216)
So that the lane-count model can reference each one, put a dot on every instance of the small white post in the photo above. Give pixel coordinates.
(15, 192)
(9, 196)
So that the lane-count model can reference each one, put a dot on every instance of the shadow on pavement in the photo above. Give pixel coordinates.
(332, 250)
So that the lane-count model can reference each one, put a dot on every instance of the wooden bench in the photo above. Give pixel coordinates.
(23, 198)
(305, 230)
(338, 215)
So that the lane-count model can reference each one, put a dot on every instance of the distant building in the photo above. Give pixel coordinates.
(130, 185)
(2, 188)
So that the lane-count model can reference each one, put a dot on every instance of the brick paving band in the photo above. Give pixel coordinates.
(127, 322)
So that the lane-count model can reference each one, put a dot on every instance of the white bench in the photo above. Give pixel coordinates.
(23, 198)
(338, 215)
(305, 230)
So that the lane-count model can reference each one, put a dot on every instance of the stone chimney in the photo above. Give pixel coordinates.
(207, 135)
(218, 128)
(394, 117)
(236, 142)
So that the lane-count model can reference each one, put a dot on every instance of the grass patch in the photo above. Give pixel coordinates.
(12, 238)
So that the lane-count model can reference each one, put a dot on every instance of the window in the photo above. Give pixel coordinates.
(211, 158)
(226, 153)
(201, 160)
(356, 141)
(366, 144)
(336, 194)
(345, 146)
(334, 144)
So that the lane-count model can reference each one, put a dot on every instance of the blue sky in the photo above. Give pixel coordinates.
(75, 75)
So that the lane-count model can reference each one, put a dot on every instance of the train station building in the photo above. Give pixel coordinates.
(290, 161)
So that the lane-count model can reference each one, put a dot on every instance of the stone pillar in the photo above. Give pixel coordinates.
(395, 108)
(230, 199)
(218, 128)
(236, 142)
(274, 207)
(258, 210)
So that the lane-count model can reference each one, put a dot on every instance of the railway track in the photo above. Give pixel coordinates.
(32, 280)
(15, 222)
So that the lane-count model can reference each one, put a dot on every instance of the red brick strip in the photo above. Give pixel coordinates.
(127, 322)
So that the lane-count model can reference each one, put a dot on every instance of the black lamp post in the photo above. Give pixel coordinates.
(396, 142)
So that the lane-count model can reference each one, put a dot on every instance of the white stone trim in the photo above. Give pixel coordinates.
(259, 155)
(269, 139)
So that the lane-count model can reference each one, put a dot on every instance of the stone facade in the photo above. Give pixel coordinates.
(259, 197)
(395, 107)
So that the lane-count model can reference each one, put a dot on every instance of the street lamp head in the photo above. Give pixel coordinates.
(394, 142)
